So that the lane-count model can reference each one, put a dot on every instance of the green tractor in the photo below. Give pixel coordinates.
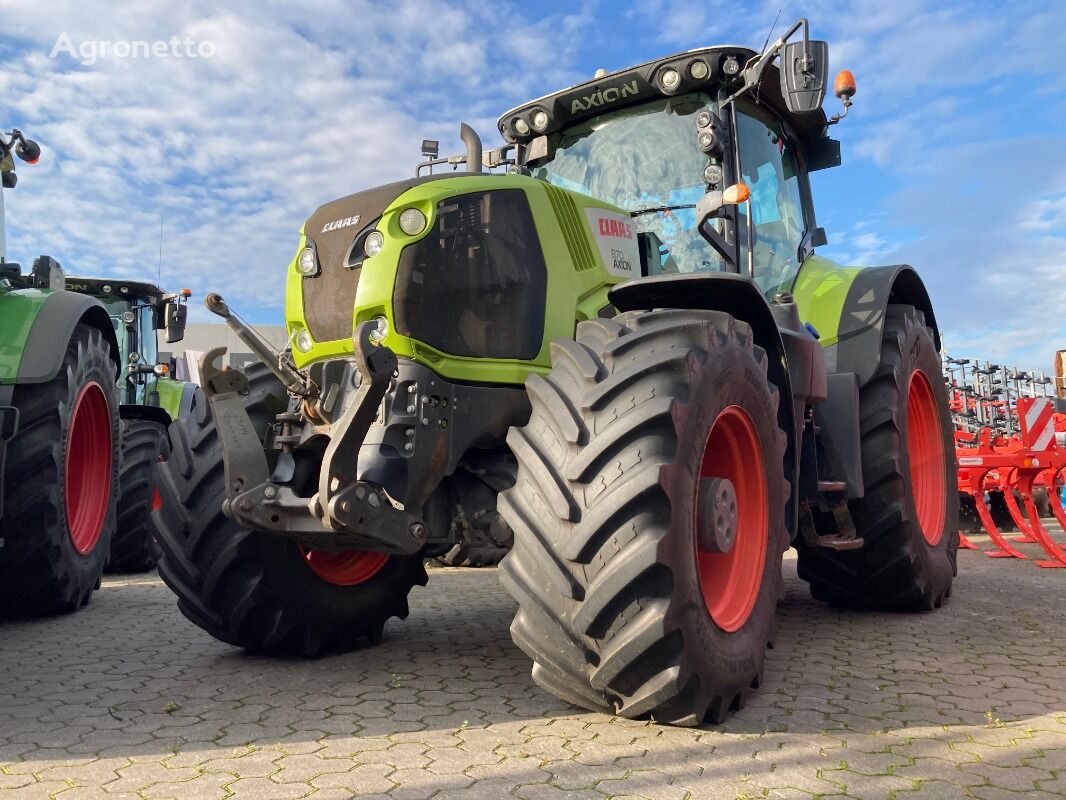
(149, 400)
(59, 429)
(625, 353)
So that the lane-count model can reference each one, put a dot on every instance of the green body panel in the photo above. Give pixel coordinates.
(170, 392)
(18, 310)
(820, 290)
(572, 294)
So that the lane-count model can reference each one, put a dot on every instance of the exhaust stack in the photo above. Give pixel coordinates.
(473, 147)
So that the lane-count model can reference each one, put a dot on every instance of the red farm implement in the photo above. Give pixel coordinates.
(1010, 436)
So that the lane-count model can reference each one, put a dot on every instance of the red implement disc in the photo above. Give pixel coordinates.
(87, 471)
(730, 581)
(925, 451)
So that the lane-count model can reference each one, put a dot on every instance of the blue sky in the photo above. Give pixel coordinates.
(953, 153)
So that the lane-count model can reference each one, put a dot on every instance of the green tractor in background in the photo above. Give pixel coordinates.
(78, 418)
(149, 400)
(625, 353)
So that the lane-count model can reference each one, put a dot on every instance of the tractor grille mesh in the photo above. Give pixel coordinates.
(475, 284)
(577, 241)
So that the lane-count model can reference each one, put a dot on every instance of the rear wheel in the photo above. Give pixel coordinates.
(649, 517)
(909, 526)
(133, 548)
(259, 590)
(61, 483)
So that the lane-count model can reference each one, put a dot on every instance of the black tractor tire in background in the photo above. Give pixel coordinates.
(134, 547)
(253, 589)
(617, 604)
(61, 483)
(909, 515)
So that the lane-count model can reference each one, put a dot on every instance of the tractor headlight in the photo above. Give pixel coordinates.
(412, 221)
(373, 243)
(539, 120)
(669, 79)
(521, 127)
(306, 263)
(129, 317)
(304, 342)
(699, 70)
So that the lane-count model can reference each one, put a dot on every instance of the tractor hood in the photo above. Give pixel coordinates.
(336, 231)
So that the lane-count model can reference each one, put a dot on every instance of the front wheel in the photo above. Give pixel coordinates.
(909, 516)
(258, 590)
(648, 517)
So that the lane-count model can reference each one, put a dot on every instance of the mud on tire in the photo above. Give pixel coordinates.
(251, 589)
(900, 567)
(41, 570)
(604, 567)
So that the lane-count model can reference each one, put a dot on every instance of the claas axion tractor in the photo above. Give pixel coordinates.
(624, 353)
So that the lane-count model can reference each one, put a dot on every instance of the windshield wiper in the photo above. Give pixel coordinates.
(657, 209)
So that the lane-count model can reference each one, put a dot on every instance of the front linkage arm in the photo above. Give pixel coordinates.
(345, 513)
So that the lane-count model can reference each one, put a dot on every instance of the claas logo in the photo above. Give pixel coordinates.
(615, 228)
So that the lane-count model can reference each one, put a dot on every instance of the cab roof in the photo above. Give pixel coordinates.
(641, 83)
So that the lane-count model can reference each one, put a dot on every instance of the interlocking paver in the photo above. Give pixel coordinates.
(127, 699)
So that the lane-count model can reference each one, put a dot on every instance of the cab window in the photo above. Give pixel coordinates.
(774, 213)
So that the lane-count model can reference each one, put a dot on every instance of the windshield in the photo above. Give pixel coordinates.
(643, 159)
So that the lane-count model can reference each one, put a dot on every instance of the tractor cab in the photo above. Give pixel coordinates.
(137, 311)
(667, 140)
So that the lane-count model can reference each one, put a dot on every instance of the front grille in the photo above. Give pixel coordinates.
(329, 300)
(475, 284)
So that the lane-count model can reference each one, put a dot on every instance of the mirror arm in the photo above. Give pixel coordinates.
(753, 75)
(718, 242)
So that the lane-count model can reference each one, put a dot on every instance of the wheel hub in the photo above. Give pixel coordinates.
(717, 515)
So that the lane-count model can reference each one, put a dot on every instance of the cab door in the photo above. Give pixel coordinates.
(777, 216)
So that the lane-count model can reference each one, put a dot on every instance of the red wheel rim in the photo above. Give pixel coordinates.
(925, 452)
(730, 581)
(157, 500)
(344, 567)
(87, 471)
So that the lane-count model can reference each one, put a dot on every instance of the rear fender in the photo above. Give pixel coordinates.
(47, 325)
(848, 306)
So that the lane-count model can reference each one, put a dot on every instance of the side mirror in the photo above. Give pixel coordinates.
(9, 180)
(174, 321)
(28, 150)
(713, 202)
(804, 73)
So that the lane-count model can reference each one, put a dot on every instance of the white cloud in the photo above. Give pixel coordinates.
(295, 107)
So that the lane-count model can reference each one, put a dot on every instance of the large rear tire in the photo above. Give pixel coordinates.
(909, 515)
(621, 608)
(61, 483)
(134, 547)
(258, 590)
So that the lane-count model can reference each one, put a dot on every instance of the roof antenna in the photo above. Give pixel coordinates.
(159, 269)
(771, 33)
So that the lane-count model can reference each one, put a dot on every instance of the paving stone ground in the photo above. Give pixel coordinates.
(127, 699)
